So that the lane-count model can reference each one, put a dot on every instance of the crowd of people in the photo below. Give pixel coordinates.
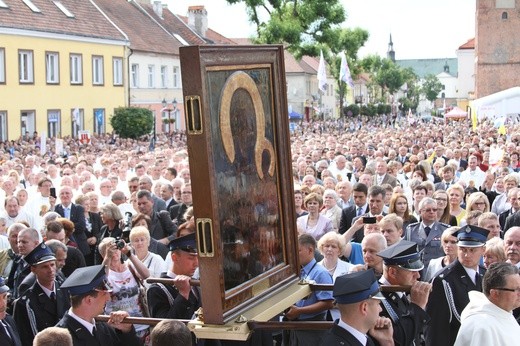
(421, 205)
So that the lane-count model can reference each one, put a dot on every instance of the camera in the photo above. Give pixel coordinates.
(369, 220)
(120, 244)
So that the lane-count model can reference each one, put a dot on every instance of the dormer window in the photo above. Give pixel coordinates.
(31, 6)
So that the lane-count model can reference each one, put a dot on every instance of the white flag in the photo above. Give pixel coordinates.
(43, 143)
(75, 115)
(344, 71)
(322, 74)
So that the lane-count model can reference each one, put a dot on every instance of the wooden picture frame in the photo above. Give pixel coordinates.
(240, 165)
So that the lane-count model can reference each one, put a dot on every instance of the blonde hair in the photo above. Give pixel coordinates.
(332, 237)
(140, 231)
(495, 246)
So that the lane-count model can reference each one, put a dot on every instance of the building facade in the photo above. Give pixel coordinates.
(58, 75)
(496, 45)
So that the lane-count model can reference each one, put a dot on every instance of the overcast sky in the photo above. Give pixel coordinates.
(419, 28)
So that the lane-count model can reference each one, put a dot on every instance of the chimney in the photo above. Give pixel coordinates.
(158, 7)
(198, 19)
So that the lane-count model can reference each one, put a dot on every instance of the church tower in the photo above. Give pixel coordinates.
(497, 63)
(391, 53)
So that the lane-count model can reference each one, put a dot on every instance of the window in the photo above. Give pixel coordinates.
(53, 123)
(2, 65)
(97, 70)
(31, 6)
(3, 125)
(151, 75)
(52, 67)
(117, 70)
(164, 76)
(25, 61)
(504, 15)
(135, 75)
(99, 121)
(76, 69)
(3, 4)
(175, 76)
(63, 9)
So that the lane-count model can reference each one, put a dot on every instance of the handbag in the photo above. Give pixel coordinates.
(142, 297)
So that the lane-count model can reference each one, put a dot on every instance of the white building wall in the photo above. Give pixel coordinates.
(466, 78)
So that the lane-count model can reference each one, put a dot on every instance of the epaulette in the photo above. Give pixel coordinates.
(413, 224)
(444, 224)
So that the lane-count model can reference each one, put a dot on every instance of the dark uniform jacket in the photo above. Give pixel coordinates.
(408, 319)
(34, 311)
(340, 336)
(174, 305)
(448, 298)
(105, 334)
(430, 245)
(14, 338)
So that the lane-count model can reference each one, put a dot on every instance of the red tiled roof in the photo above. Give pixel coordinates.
(313, 62)
(143, 32)
(468, 45)
(212, 37)
(175, 25)
(87, 21)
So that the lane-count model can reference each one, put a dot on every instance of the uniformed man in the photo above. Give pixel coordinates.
(450, 289)
(427, 233)
(357, 297)
(8, 331)
(179, 300)
(43, 304)
(89, 292)
(402, 264)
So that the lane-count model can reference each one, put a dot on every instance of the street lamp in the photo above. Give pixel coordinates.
(165, 104)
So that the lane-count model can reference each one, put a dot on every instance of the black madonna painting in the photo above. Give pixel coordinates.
(239, 161)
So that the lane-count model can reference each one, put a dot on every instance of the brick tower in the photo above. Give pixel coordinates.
(497, 66)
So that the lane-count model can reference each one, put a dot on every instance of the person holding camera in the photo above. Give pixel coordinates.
(111, 217)
(123, 276)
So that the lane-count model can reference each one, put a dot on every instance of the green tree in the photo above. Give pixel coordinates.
(132, 122)
(305, 27)
(431, 87)
(351, 110)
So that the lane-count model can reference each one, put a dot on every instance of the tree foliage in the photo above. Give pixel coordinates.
(305, 27)
(132, 122)
(431, 87)
(352, 110)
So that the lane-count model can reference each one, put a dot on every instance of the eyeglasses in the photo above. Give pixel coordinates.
(186, 192)
(479, 203)
(430, 210)
(517, 290)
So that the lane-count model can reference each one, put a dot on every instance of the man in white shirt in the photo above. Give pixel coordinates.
(487, 319)
(473, 173)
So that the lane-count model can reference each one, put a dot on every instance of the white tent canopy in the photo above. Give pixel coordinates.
(504, 103)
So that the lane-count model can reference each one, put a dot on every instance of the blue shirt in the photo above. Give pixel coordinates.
(356, 253)
(317, 273)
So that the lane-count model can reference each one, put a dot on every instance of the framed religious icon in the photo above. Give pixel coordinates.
(240, 165)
